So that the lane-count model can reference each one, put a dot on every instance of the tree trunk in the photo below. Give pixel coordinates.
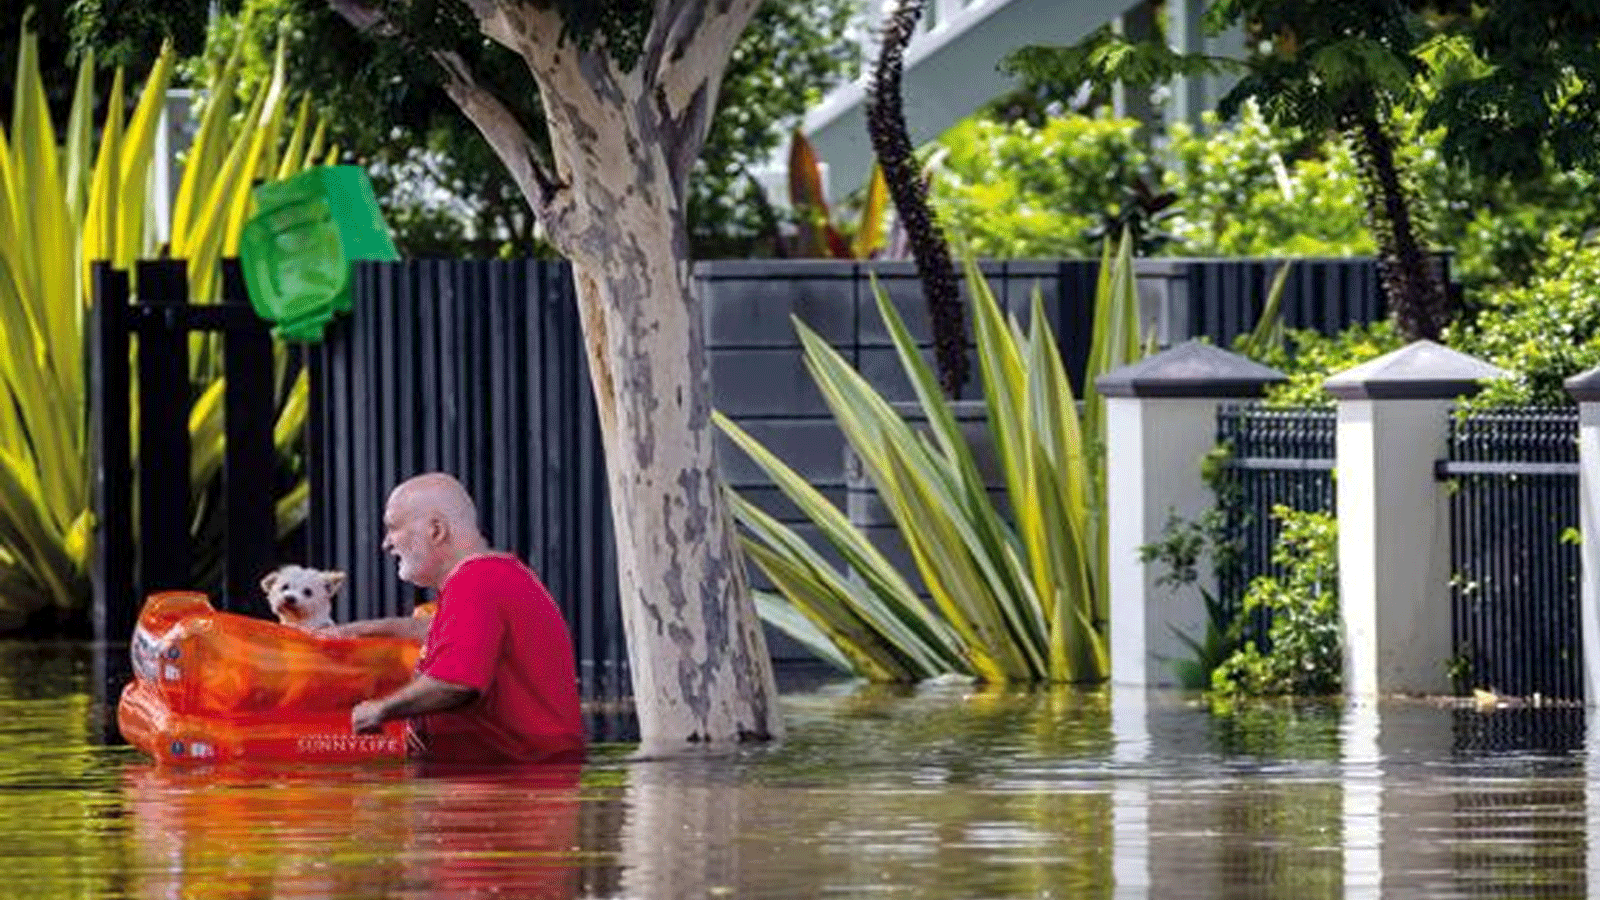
(612, 197)
(701, 672)
(1416, 293)
(623, 144)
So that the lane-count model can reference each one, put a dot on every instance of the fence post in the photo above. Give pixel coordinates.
(1394, 516)
(1585, 388)
(248, 461)
(111, 453)
(163, 367)
(1161, 420)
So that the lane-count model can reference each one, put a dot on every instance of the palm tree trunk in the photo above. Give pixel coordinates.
(891, 143)
(1417, 298)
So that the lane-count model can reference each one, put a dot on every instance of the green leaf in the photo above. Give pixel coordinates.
(1268, 335)
(777, 612)
(895, 610)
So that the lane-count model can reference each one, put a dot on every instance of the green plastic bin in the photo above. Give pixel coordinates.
(296, 251)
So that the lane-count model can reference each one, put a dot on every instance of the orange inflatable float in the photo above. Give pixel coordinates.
(213, 686)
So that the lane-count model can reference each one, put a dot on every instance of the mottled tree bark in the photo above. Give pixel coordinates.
(612, 197)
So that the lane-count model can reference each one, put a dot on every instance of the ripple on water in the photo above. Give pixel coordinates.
(943, 792)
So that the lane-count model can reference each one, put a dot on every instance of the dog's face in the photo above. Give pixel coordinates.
(300, 596)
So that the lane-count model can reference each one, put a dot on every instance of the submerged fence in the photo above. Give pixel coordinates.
(146, 546)
(475, 368)
(1517, 564)
(1274, 457)
(1514, 555)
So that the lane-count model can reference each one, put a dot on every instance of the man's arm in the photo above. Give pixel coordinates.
(424, 694)
(409, 627)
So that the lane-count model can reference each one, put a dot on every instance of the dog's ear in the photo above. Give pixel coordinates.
(269, 582)
(333, 580)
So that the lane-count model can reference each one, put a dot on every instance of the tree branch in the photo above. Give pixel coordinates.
(365, 18)
(684, 58)
(500, 128)
(525, 160)
(514, 32)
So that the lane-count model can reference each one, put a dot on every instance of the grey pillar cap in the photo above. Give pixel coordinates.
(1191, 369)
(1421, 370)
(1584, 386)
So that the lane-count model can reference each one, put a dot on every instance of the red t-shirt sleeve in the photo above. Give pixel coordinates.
(464, 640)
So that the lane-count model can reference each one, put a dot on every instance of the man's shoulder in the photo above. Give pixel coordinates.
(496, 572)
(493, 565)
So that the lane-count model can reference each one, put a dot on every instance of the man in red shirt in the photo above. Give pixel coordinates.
(496, 681)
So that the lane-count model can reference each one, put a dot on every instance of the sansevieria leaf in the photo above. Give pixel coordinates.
(898, 616)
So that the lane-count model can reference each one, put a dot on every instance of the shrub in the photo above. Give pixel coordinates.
(1184, 546)
(1542, 332)
(1308, 357)
(1304, 653)
(1248, 189)
(1017, 191)
(1245, 188)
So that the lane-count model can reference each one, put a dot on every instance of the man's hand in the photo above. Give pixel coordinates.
(367, 717)
(422, 695)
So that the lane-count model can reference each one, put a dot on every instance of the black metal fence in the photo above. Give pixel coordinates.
(131, 562)
(475, 368)
(1274, 457)
(1223, 298)
(1515, 559)
(1514, 554)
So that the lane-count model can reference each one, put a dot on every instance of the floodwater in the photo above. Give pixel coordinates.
(944, 792)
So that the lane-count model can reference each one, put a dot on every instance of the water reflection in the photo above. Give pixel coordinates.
(1519, 730)
(391, 832)
(1445, 802)
(942, 792)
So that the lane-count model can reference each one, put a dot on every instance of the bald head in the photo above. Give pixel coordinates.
(437, 494)
(430, 525)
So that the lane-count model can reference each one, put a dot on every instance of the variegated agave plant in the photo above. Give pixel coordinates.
(65, 202)
(1013, 597)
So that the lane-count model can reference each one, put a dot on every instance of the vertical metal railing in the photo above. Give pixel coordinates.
(1514, 554)
(476, 368)
(147, 546)
(1275, 457)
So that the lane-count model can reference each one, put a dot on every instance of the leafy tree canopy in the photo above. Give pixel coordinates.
(1530, 79)
(1510, 76)
(444, 190)
(122, 34)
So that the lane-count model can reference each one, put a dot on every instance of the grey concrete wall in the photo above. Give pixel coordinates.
(758, 376)
(760, 381)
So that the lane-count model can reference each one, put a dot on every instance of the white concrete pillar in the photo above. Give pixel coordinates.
(1394, 517)
(1585, 388)
(1161, 420)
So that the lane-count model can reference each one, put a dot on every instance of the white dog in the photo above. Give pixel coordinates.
(302, 597)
